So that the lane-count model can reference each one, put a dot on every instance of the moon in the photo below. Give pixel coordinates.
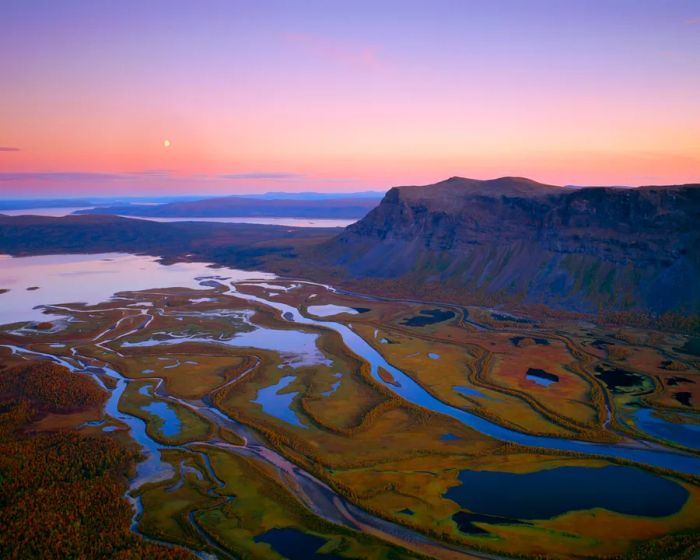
(166, 143)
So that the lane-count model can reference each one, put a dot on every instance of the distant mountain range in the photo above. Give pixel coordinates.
(580, 249)
(239, 206)
(119, 201)
(29, 203)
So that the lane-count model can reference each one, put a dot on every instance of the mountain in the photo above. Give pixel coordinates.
(516, 239)
(235, 206)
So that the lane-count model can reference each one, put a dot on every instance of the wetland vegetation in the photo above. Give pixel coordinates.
(240, 417)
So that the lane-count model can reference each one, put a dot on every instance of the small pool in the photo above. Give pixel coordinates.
(541, 377)
(295, 544)
(428, 317)
(278, 404)
(169, 424)
(619, 380)
(548, 493)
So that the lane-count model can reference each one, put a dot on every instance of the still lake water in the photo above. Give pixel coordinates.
(271, 221)
(551, 492)
(289, 222)
(92, 279)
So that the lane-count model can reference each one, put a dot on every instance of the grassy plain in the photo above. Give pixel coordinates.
(320, 408)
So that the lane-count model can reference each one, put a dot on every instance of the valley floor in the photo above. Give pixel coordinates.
(285, 419)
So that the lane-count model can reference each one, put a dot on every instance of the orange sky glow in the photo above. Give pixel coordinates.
(344, 96)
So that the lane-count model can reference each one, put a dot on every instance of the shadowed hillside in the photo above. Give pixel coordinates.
(581, 249)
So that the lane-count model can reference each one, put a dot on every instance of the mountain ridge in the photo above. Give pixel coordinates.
(579, 249)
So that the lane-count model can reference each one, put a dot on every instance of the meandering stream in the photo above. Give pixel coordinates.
(407, 388)
(314, 493)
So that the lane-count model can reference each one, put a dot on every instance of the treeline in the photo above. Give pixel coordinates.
(62, 494)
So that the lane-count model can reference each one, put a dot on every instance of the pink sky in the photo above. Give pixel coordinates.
(271, 95)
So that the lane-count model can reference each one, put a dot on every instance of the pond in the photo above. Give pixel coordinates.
(278, 404)
(168, 423)
(548, 493)
(541, 377)
(428, 317)
(618, 380)
(295, 544)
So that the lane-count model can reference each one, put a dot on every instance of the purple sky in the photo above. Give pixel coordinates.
(330, 95)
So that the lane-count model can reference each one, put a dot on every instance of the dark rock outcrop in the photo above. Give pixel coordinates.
(581, 249)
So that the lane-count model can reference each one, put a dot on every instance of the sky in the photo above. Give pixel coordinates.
(340, 95)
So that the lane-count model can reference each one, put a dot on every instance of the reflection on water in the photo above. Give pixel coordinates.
(547, 493)
(289, 222)
(90, 279)
(297, 347)
(329, 310)
(169, 424)
(685, 434)
(541, 377)
(278, 404)
(103, 275)
(296, 545)
(415, 393)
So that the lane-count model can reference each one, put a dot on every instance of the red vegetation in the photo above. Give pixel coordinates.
(50, 387)
(62, 494)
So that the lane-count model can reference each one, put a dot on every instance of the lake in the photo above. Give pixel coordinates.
(91, 279)
(271, 221)
(551, 492)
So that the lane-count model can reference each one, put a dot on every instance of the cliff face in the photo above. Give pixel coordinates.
(574, 248)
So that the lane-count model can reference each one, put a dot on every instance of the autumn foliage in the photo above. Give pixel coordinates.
(62, 494)
(50, 387)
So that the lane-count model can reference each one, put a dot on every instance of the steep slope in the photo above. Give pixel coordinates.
(581, 249)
